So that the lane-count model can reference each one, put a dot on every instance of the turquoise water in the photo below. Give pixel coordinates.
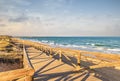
(98, 44)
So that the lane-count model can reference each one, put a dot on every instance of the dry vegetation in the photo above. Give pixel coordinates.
(10, 54)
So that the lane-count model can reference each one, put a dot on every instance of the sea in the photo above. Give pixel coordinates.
(97, 44)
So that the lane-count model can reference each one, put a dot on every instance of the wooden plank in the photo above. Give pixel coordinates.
(97, 55)
(70, 60)
(28, 78)
(19, 73)
(26, 61)
(78, 56)
(60, 56)
(15, 74)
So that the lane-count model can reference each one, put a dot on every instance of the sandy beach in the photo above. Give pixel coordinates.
(107, 65)
(56, 63)
(59, 40)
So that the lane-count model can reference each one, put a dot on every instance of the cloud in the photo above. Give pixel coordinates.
(113, 30)
(85, 26)
(13, 7)
(18, 19)
(13, 17)
(54, 3)
(48, 25)
(14, 3)
(2, 25)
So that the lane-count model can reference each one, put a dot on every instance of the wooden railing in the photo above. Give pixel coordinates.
(98, 59)
(60, 52)
(24, 74)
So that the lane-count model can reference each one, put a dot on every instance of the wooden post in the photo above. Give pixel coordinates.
(45, 49)
(42, 48)
(78, 61)
(60, 56)
(50, 52)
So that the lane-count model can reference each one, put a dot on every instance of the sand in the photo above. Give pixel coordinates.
(51, 69)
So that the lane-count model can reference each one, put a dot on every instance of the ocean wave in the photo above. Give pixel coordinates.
(44, 41)
(52, 43)
(100, 48)
(95, 44)
(99, 45)
(114, 49)
(71, 46)
(87, 46)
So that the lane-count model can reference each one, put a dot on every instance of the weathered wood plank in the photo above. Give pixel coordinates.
(19, 73)
(15, 74)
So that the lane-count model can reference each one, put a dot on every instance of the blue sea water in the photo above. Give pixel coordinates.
(97, 44)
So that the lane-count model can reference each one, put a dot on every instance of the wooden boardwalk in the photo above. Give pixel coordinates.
(51, 69)
(45, 63)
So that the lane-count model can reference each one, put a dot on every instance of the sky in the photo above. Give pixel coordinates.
(60, 17)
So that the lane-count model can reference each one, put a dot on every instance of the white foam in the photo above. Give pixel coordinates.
(71, 46)
(44, 41)
(100, 48)
(88, 46)
(87, 43)
(93, 44)
(115, 49)
(51, 42)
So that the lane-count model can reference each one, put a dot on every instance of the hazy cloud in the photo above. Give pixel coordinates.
(19, 19)
(2, 25)
(22, 18)
(114, 30)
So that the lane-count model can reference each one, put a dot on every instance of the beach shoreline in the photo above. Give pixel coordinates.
(95, 44)
(99, 63)
(88, 59)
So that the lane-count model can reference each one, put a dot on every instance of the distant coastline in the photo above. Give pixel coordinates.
(66, 36)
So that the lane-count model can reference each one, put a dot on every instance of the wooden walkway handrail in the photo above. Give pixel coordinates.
(70, 52)
(16, 74)
(26, 72)
(54, 51)
(26, 62)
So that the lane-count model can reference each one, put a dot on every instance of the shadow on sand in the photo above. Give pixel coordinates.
(42, 75)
